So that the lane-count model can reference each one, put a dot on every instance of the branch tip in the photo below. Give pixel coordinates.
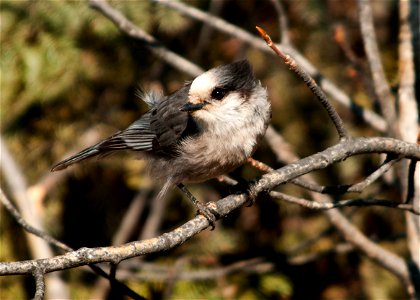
(264, 35)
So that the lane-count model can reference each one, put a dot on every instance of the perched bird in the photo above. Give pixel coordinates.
(205, 129)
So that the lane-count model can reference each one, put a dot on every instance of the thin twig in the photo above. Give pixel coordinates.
(372, 250)
(21, 221)
(259, 165)
(386, 165)
(343, 203)
(339, 189)
(309, 242)
(151, 271)
(310, 82)
(307, 258)
(227, 179)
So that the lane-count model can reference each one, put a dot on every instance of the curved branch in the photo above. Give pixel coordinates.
(223, 207)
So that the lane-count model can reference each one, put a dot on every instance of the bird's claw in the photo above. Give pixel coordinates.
(208, 213)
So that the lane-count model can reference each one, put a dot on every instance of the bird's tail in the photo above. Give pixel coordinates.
(137, 137)
(82, 155)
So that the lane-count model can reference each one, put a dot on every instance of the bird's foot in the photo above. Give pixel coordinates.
(209, 213)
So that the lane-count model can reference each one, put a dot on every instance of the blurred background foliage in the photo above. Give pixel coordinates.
(67, 71)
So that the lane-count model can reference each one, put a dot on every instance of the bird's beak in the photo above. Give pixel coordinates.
(190, 107)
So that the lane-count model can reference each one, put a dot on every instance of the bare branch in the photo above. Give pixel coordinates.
(370, 117)
(18, 187)
(310, 82)
(9, 206)
(204, 39)
(284, 153)
(16, 215)
(130, 218)
(39, 284)
(340, 189)
(343, 203)
(356, 62)
(155, 217)
(227, 179)
(150, 271)
(408, 122)
(346, 148)
(341, 248)
(280, 147)
(151, 43)
(223, 207)
(387, 164)
(381, 85)
(283, 22)
(379, 255)
(173, 276)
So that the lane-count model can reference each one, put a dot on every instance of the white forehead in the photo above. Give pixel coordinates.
(204, 83)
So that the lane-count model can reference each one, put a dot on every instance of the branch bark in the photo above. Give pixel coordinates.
(224, 206)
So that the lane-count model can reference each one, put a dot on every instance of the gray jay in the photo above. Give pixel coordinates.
(205, 129)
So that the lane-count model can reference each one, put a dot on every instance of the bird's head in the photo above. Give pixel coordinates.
(222, 93)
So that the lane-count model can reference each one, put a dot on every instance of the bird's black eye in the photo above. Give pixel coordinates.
(219, 93)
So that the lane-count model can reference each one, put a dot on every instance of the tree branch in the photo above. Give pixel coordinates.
(222, 207)
(128, 28)
(39, 284)
(310, 82)
(16, 215)
(408, 122)
(381, 85)
(370, 117)
(346, 148)
(343, 203)
(163, 273)
(18, 187)
(283, 22)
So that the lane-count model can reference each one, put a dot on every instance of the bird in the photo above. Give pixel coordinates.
(207, 128)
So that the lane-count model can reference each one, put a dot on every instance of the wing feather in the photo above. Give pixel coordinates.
(157, 132)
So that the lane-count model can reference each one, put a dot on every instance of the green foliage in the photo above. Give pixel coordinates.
(278, 285)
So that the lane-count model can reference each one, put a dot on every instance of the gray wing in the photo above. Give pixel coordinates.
(170, 124)
(157, 132)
